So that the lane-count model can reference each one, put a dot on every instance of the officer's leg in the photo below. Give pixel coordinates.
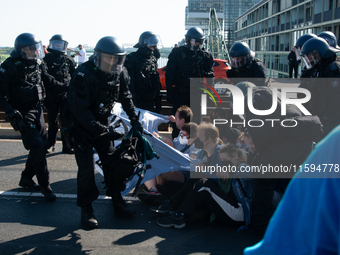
(35, 143)
(87, 190)
(65, 149)
(53, 121)
(114, 178)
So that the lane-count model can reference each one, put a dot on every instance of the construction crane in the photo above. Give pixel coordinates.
(215, 41)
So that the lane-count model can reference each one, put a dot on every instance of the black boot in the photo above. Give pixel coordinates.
(28, 184)
(48, 193)
(87, 217)
(121, 207)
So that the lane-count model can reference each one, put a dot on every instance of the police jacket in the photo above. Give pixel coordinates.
(255, 69)
(184, 64)
(325, 90)
(142, 67)
(275, 143)
(92, 94)
(60, 66)
(23, 83)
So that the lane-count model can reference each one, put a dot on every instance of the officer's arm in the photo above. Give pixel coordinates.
(5, 75)
(50, 82)
(130, 64)
(259, 70)
(125, 96)
(79, 99)
(209, 69)
(170, 74)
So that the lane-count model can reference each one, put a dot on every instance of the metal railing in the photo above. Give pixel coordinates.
(276, 63)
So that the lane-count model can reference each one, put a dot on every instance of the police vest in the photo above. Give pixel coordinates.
(27, 87)
(109, 87)
(58, 67)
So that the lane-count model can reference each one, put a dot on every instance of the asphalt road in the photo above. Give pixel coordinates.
(31, 225)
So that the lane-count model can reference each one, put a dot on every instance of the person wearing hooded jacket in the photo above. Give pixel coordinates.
(61, 67)
(277, 145)
(142, 67)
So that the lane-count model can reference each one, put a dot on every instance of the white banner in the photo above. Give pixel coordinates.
(169, 158)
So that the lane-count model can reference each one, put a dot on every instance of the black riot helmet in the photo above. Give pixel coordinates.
(149, 39)
(194, 38)
(240, 54)
(109, 55)
(330, 38)
(28, 46)
(314, 50)
(299, 43)
(58, 43)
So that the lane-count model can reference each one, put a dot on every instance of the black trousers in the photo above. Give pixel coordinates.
(291, 68)
(207, 194)
(55, 104)
(87, 190)
(34, 138)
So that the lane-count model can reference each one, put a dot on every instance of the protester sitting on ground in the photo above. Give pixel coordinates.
(209, 155)
(178, 178)
(183, 115)
(230, 135)
(276, 145)
(222, 198)
(307, 219)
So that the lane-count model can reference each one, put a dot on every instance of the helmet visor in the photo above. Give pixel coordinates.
(310, 59)
(58, 45)
(238, 62)
(298, 52)
(153, 41)
(108, 63)
(195, 44)
(34, 51)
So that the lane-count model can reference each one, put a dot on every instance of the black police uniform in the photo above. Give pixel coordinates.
(254, 71)
(61, 67)
(184, 64)
(325, 99)
(144, 85)
(22, 88)
(91, 96)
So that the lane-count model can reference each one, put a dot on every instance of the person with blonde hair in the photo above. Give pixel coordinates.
(220, 197)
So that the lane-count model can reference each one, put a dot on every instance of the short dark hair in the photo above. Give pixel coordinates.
(184, 112)
(190, 128)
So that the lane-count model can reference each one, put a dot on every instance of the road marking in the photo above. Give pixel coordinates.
(37, 194)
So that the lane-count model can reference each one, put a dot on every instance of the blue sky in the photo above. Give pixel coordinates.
(87, 21)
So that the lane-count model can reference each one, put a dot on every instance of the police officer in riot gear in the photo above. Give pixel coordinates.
(23, 78)
(305, 73)
(245, 65)
(325, 85)
(142, 67)
(186, 62)
(330, 38)
(94, 88)
(61, 67)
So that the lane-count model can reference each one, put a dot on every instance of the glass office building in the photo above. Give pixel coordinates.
(272, 27)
